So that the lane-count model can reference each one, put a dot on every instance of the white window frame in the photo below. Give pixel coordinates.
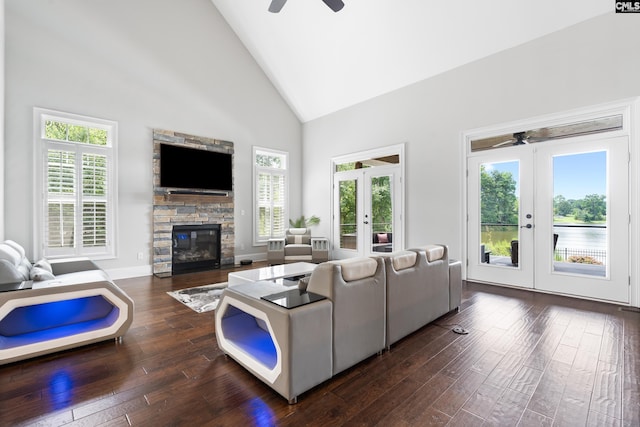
(40, 194)
(257, 240)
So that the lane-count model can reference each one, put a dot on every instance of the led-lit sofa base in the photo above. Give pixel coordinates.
(288, 349)
(76, 304)
(57, 317)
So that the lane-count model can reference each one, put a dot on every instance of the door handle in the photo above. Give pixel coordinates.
(366, 222)
(527, 226)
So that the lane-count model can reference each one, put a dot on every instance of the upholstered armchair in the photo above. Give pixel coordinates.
(297, 246)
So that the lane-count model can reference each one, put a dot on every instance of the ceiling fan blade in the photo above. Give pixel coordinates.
(508, 142)
(335, 5)
(276, 5)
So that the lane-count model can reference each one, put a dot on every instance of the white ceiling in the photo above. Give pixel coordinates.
(322, 61)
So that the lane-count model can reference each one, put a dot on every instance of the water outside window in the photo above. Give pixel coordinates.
(499, 213)
(580, 213)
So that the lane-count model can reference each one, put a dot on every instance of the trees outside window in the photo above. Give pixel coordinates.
(499, 204)
(591, 208)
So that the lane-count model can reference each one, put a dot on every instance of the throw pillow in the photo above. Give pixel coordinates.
(10, 254)
(298, 240)
(43, 263)
(15, 246)
(383, 238)
(39, 274)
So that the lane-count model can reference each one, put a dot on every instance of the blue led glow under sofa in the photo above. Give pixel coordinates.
(56, 305)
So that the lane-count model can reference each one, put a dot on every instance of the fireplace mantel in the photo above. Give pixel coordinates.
(188, 209)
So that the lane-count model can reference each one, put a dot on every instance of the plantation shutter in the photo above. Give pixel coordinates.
(271, 204)
(61, 200)
(270, 194)
(278, 202)
(94, 200)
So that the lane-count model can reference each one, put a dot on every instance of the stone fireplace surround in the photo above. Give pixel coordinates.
(187, 209)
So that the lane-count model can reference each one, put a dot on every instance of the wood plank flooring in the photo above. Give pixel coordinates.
(529, 360)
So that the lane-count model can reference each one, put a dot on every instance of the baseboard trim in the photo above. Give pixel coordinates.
(253, 257)
(147, 270)
(129, 272)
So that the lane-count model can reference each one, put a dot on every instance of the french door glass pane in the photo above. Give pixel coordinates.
(499, 213)
(381, 214)
(580, 213)
(348, 214)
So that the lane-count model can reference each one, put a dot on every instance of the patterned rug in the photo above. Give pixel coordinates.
(201, 298)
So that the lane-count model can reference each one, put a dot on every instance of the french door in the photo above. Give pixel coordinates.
(552, 216)
(366, 211)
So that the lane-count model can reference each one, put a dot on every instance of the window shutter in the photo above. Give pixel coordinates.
(264, 205)
(61, 187)
(94, 200)
(278, 187)
(270, 194)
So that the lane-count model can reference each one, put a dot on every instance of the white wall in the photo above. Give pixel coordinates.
(146, 64)
(2, 155)
(591, 63)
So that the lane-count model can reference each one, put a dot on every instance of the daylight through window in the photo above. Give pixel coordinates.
(270, 198)
(76, 169)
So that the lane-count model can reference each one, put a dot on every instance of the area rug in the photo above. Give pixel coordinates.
(201, 298)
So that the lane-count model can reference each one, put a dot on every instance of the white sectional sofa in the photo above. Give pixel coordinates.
(417, 289)
(369, 303)
(56, 305)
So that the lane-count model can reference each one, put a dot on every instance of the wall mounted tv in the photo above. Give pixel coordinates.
(192, 169)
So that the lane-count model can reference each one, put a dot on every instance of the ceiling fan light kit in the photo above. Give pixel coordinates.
(335, 5)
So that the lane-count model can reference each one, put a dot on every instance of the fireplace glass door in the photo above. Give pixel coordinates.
(195, 248)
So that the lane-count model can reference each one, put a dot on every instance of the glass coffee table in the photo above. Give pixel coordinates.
(286, 274)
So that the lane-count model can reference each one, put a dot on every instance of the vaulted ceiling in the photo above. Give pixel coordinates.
(322, 61)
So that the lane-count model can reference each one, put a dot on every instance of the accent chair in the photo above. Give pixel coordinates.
(297, 246)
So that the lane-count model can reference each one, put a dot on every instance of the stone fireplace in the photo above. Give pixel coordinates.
(178, 210)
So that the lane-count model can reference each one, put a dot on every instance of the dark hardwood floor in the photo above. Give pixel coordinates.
(529, 359)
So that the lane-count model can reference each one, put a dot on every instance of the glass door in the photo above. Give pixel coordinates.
(501, 218)
(583, 196)
(379, 194)
(365, 212)
(348, 214)
(552, 216)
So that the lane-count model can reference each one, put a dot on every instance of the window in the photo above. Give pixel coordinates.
(75, 169)
(270, 193)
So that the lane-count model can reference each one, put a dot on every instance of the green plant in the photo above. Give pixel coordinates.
(501, 248)
(304, 222)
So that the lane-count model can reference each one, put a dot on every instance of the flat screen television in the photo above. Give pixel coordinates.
(186, 168)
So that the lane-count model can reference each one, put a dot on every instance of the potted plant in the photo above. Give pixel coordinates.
(302, 222)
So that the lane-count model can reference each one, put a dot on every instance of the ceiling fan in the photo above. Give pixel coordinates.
(335, 5)
(519, 138)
